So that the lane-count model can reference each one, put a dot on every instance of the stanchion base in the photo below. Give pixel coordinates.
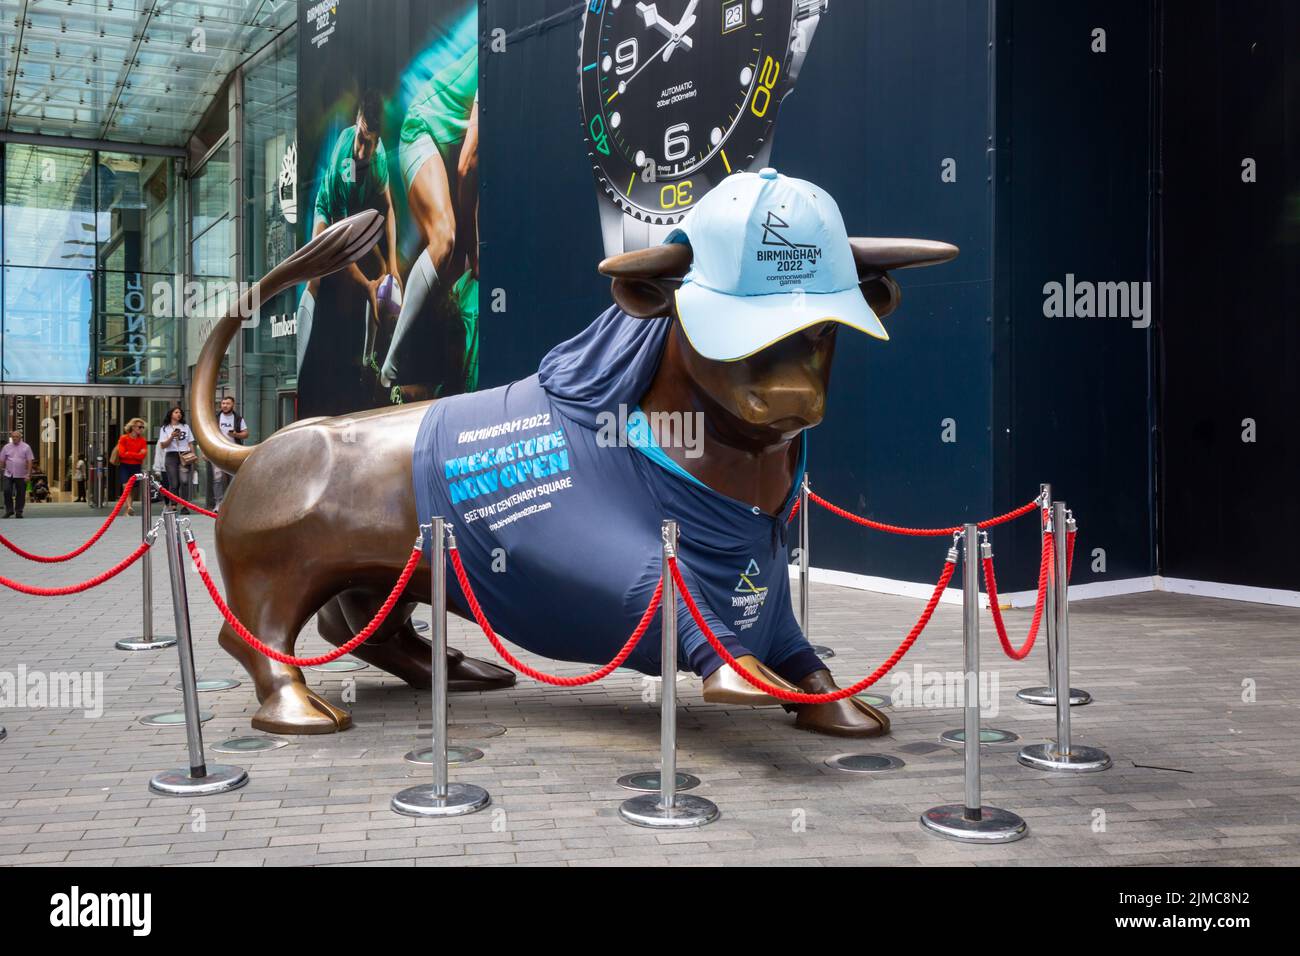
(864, 763)
(420, 626)
(993, 826)
(1046, 696)
(687, 811)
(1078, 760)
(475, 731)
(649, 781)
(140, 644)
(461, 798)
(822, 651)
(213, 684)
(179, 783)
(3, 733)
(173, 719)
(455, 756)
(249, 745)
(988, 735)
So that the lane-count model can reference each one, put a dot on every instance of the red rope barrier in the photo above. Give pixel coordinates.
(55, 559)
(477, 610)
(991, 585)
(366, 633)
(186, 504)
(827, 698)
(795, 510)
(920, 532)
(97, 580)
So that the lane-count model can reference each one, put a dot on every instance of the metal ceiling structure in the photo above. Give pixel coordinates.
(126, 71)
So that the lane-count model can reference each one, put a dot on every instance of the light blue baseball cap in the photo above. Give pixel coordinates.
(771, 256)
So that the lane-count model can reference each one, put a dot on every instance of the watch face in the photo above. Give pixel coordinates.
(676, 94)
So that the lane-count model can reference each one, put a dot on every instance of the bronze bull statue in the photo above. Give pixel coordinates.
(323, 515)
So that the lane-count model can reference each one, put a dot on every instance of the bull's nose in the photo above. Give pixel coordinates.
(802, 405)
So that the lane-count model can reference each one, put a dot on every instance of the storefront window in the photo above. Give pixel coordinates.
(89, 243)
(136, 221)
(210, 216)
(47, 325)
(49, 216)
(137, 329)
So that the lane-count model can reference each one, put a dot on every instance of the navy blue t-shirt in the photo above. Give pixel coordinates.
(556, 501)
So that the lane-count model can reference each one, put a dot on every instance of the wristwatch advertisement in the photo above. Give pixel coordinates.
(678, 94)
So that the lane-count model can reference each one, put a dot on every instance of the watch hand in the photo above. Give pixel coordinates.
(653, 18)
(680, 30)
(624, 84)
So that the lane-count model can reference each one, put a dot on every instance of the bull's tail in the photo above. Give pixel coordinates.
(334, 249)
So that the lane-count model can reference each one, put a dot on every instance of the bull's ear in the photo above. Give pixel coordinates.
(645, 281)
(875, 258)
(882, 294)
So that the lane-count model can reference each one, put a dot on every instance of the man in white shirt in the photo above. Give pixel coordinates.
(16, 461)
(234, 427)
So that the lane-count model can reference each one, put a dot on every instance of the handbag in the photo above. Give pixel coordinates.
(188, 458)
(112, 457)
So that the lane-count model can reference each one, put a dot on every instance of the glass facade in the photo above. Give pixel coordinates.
(89, 250)
(270, 234)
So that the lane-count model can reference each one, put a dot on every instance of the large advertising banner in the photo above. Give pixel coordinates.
(387, 120)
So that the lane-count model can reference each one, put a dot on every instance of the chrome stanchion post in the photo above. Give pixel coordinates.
(805, 618)
(200, 779)
(1045, 695)
(149, 641)
(989, 735)
(972, 821)
(668, 809)
(441, 798)
(1064, 754)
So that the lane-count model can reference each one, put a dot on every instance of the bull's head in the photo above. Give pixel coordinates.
(770, 396)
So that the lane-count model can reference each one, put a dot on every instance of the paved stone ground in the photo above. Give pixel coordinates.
(1199, 776)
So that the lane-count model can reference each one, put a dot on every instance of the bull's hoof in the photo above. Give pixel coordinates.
(849, 717)
(293, 709)
(725, 686)
(469, 674)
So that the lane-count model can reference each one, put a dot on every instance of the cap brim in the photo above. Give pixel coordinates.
(727, 328)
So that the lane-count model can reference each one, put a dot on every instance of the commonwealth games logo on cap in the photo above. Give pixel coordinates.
(774, 235)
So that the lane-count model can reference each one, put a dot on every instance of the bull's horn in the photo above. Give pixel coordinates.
(884, 255)
(668, 261)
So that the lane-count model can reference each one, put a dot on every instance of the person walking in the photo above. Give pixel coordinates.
(79, 477)
(234, 427)
(131, 450)
(16, 461)
(177, 442)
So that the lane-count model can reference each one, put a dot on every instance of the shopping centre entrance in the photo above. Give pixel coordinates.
(72, 434)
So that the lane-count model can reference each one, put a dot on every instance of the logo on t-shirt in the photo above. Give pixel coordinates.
(748, 597)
